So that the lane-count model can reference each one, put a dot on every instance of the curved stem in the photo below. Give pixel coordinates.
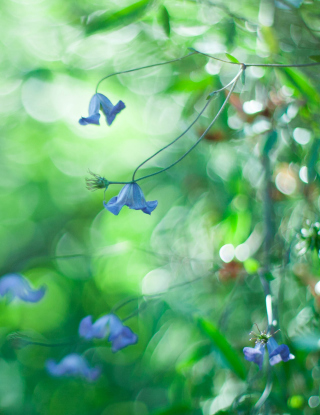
(189, 127)
(144, 67)
(202, 135)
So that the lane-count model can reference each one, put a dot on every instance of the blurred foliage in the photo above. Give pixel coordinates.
(188, 275)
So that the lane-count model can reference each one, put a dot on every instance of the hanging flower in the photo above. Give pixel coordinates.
(276, 353)
(130, 195)
(109, 110)
(119, 335)
(15, 285)
(73, 365)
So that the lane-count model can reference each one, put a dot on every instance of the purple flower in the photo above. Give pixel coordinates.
(255, 354)
(15, 285)
(73, 365)
(119, 335)
(278, 353)
(130, 195)
(109, 110)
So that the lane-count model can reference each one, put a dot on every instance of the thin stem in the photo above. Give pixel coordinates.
(202, 135)
(144, 67)
(211, 95)
(271, 65)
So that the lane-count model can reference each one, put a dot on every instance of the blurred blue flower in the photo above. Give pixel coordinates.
(276, 353)
(119, 335)
(73, 365)
(15, 285)
(109, 110)
(130, 195)
(255, 354)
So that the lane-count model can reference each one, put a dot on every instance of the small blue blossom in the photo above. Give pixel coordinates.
(278, 353)
(15, 285)
(130, 195)
(73, 365)
(255, 354)
(109, 110)
(119, 335)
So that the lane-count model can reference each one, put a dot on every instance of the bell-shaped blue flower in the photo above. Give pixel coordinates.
(130, 195)
(119, 335)
(278, 353)
(15, 285)
(109, 110)
(255, 354)
(73, 365)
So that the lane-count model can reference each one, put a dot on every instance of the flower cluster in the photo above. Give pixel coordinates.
(76, 365)
(277, 353)
(309, 238)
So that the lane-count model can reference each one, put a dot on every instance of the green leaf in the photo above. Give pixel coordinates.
(301, 83)
(270, 142)
(315, 58)
(124, 17)
(312, 161)
(227, 351)
(164, 19)
(179, 409)
(232, 58)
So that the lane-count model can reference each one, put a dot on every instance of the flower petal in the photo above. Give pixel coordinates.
(255, 354)
(72, 365)
(115, 110)
(92, 119)
(15, 285)
(120, 336)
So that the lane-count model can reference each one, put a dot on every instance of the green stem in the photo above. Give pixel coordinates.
(202, 135)
(144, 67)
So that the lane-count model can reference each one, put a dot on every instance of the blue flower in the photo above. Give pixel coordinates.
(119, 335)
(73, 365)
(130, 195)
(15, 285)
(109, 110)
(276, 353)
(255, 354)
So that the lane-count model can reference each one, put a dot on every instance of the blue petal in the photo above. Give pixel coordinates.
(120, 336)
(132, 196)
(90, 331)
(115, 110)
(255, 354)
(14, 285)
(92, 119)
(281, 353)
(72, 365)
(94, 105)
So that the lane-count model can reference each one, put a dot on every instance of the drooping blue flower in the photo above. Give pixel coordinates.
(130, 195)
(15, 285)
(255, 354)
(278, 353)
(119, 335)
(109, 110)
(73, 365)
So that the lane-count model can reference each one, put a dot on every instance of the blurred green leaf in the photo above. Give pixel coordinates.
(224, 347)
(313, 159)
(309, 342)
(180, 409)
(301, 83)
(270, 142)
(232, 58)
(164, 19)
(124, 17)
(315, 58)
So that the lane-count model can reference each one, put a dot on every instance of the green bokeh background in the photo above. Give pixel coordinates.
(56, 233)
